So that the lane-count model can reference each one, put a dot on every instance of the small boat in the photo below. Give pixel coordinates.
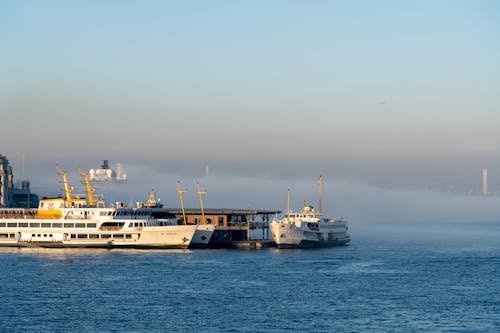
(308, 228)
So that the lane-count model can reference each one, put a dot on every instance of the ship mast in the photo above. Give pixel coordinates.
(67, 189)
(288, 203)
(200, 193)
(320, 194)
(181, 191)
(90, 190)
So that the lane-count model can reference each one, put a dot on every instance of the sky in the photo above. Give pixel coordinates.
(382, 94)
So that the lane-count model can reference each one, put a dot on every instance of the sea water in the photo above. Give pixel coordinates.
(428, 278)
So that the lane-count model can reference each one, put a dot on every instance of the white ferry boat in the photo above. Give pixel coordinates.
(308, 228)
(71, 222)
(203, 232)
(61, 223)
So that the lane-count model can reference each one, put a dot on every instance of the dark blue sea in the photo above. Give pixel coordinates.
(423, 278)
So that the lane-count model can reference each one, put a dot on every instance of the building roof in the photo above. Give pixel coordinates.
(218, 211)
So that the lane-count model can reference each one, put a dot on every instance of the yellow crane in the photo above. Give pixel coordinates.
(67, 189)
(181, 191)
(200, 194)
(90, 190)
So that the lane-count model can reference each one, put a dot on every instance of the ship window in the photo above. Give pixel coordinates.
(106, 236)
(39, 235)
(56, 225)
(73, 236)
(209, 221)
(50, 235)
(4, 235)
(130, 225)
(69, 225)
(35, 225)
(83, 236)
(45, 225)
(128, 236)
(11, 225)
(118, 236)
(93, 236)
(23, 225)
(44, 235)
(80, 225)
(33, 235)
(91, 225)
(2, 225)
(196, 220)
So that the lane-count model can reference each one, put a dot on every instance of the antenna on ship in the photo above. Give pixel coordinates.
(200, 193)
(90, 190)
(67, 189)
(181, 191)
(288, 203)
(320, 194)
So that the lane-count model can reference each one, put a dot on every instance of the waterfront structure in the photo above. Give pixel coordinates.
(308, 228)
(234, 228)
(11, 195)
(485, 181)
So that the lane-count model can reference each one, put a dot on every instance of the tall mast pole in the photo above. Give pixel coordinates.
(320, 194)
(181, 191)
(288, 203)
(200, 193)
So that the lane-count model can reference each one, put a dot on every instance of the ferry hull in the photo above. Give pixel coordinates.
(92, 245)
(313, 244)
(202, 236)
(289, 236)
(169, 237)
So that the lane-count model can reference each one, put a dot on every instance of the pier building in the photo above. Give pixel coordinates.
(11, 194)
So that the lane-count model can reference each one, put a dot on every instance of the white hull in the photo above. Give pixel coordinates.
(167, 236)
(289, 235)
(202, 235)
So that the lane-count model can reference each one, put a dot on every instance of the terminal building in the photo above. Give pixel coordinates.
(234, 228)
(14, 195)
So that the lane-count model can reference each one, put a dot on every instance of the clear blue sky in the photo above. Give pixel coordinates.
(363, 88)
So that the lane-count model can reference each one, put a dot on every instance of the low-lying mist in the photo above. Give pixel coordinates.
(364, 206)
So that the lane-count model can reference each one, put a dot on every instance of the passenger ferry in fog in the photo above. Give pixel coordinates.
(74, 222)
(309, 228)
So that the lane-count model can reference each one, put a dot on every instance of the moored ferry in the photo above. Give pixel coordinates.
(72, 222)
(308, 228)
(61, 223)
